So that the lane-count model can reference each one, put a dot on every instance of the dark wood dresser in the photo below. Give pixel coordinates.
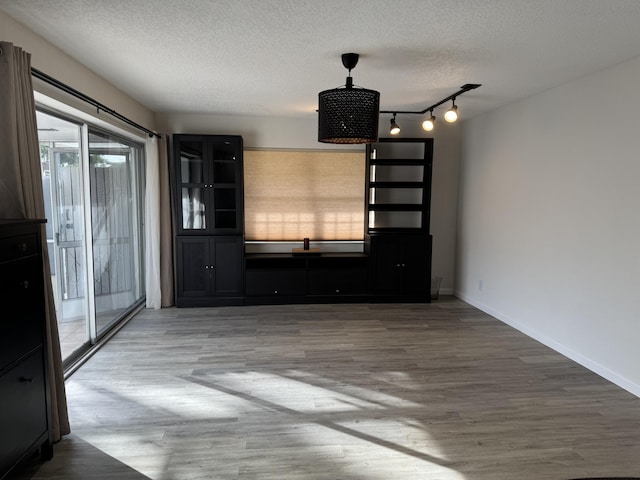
(24, 410)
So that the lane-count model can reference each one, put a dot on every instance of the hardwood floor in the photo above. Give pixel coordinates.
(419, 391)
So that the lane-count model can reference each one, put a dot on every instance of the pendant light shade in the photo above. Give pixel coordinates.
(349, 114)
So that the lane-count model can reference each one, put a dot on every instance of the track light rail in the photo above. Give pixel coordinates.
(465, 88)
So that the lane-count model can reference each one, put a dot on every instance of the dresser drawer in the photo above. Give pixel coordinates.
(23, 416)
(20, 246)
(21, 325)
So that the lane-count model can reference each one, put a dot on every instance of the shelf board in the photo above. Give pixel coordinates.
(397, 184)
(397, 161)
(396, 207)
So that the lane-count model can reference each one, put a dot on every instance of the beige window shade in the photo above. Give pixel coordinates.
(293, 194)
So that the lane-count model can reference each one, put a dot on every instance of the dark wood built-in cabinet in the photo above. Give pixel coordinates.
(210, 270)
(397, 209)
(213, 268)
(24, 409)
(400, 265)
(208, 179)
(286, 278)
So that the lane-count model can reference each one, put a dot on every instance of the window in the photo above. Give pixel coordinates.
(294, 194)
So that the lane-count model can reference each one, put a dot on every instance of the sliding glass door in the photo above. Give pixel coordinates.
(115, 226)
(93, 184)
(60, 154)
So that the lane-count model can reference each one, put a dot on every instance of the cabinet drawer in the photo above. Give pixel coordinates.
(280, 282)
(21, 330)
(23, 417)
(12, 248)
(346, 280)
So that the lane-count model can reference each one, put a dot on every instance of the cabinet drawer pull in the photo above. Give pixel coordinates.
(26, 379)
(24, 284)
(23, 247)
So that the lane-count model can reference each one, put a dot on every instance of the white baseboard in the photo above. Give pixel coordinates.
(577, 357)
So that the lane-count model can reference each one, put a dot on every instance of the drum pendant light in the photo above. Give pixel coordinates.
(349, 114)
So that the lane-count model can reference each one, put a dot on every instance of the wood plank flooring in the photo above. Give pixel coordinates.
(419, 391)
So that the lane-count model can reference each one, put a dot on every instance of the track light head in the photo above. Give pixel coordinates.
(394, 129)
(452, 114)
(429, 123)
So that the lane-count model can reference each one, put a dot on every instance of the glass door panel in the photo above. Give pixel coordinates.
(194, 209)
(195, 186)
(191, 162)
(224, 172)
(60, 155)
(116, 226)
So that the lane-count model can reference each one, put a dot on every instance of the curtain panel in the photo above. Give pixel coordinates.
(21, 197)
(158, 227)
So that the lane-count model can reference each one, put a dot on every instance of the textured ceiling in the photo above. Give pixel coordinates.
(272, 57)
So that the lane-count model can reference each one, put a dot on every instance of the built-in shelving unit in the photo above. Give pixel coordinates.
(213, 267)
(397, 209)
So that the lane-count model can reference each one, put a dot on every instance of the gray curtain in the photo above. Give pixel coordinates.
(166, 225)
(21, 196)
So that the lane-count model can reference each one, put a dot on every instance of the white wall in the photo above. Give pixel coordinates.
(302, 133)
(52, 61)
(549, 228)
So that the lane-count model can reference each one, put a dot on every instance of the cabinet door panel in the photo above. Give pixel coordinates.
(227, 254)
(387, 260)
(193, 272)
(417, 270)
(401, 264)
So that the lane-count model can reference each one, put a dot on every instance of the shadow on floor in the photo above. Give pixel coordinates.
(75, 459)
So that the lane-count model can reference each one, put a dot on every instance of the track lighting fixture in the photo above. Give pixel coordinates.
(451, 115)
(351, 114)
(394, 129)
(428, 125)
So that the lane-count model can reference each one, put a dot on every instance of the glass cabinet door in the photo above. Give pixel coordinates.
(193, 186)
(227, 195)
